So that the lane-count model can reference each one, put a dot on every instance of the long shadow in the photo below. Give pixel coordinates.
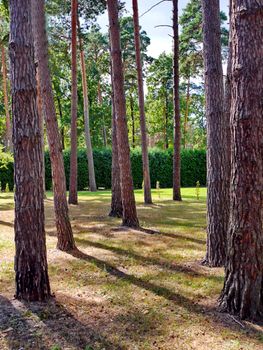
(156, 232)
(17, 330)
(149, 260)
(60, 322)
(53, 320)
(166, 293)
(4, 223)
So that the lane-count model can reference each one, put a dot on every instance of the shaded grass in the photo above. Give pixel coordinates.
(124, 289)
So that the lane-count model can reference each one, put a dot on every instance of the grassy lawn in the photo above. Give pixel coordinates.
(125, 289)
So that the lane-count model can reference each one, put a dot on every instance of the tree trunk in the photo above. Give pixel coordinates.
(104, 134)
(177, 121)
(8, 135)
(116, 202)
(92, 180)
(32, 282)
(243, 289)
(166, 142)
(133, 120)
(64, 230)
(62, 129)
(145, 156)
(186, 110)
(128, 200)
(217, 195)
(41, 121)
(73, 181)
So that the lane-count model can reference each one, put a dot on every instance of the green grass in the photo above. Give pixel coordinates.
(127, 289)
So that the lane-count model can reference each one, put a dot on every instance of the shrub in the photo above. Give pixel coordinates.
(193, 168)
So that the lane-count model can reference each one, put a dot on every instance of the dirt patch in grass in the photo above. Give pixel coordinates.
(122, 288)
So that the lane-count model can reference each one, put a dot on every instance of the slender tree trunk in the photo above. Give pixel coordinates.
(32, 282)
(62, 129)
(243, 289)
(41, 121)
(217, 195)
(128, 200)
(144, 140)
(177, 121)
(92, 179)
(104, 133)
(8, 135)
(116, 202)
(133, 120)
(186, 116)
(64, 230)
(166, 144)
(73, 181)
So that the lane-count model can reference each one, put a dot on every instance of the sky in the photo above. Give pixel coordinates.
(162, 14)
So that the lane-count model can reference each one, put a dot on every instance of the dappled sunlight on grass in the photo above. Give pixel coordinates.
(124, 289)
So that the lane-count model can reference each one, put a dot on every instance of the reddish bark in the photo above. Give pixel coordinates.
(128, 200)
(176, 103)
(64, 230)
(217, 191)
(32, 282)
(73, 181)
(145, 157)
(243, 288)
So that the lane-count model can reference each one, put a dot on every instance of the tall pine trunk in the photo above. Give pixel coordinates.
(217, 194)
(144, 141)
(186, 115)
(73, 181)
(92, 180)
(176, 103)
(41, 117)
(116, 202)
(128, 200)
(31, 271)
(8, 126)
(64, 230)
(243, 289)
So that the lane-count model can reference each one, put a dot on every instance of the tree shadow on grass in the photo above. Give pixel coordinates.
(41, 326)
(4, 223)
(149, 260)
(16, 329)
(190, 305)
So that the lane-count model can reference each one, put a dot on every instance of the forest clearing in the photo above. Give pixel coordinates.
(124, 289)
(131, 175)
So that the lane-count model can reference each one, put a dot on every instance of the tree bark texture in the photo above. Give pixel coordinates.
(40, 112)
(243, 289)
(217, 193)
(128, 200)
(144, 141)
(116, 202)
(31, 270)
(176, 102)
(8, 126)
(73, 181)
(64, 230)
(92, 179)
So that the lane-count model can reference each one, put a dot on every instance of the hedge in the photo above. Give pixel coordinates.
(193, 168)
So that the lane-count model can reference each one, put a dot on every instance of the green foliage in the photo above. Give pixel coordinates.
(193, 168)
(161, 168)
(6, 171)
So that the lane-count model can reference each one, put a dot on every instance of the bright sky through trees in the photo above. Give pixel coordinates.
(160, 39)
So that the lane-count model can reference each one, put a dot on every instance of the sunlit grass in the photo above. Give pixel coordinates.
(135, 290)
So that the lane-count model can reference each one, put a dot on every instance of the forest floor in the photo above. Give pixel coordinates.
(124, 289)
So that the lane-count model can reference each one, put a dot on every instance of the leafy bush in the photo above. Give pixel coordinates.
(6, 171)
(193, 168)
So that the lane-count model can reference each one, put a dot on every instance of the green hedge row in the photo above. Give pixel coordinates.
(193, 168)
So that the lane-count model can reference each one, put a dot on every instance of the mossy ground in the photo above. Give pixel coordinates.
(124, 289)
